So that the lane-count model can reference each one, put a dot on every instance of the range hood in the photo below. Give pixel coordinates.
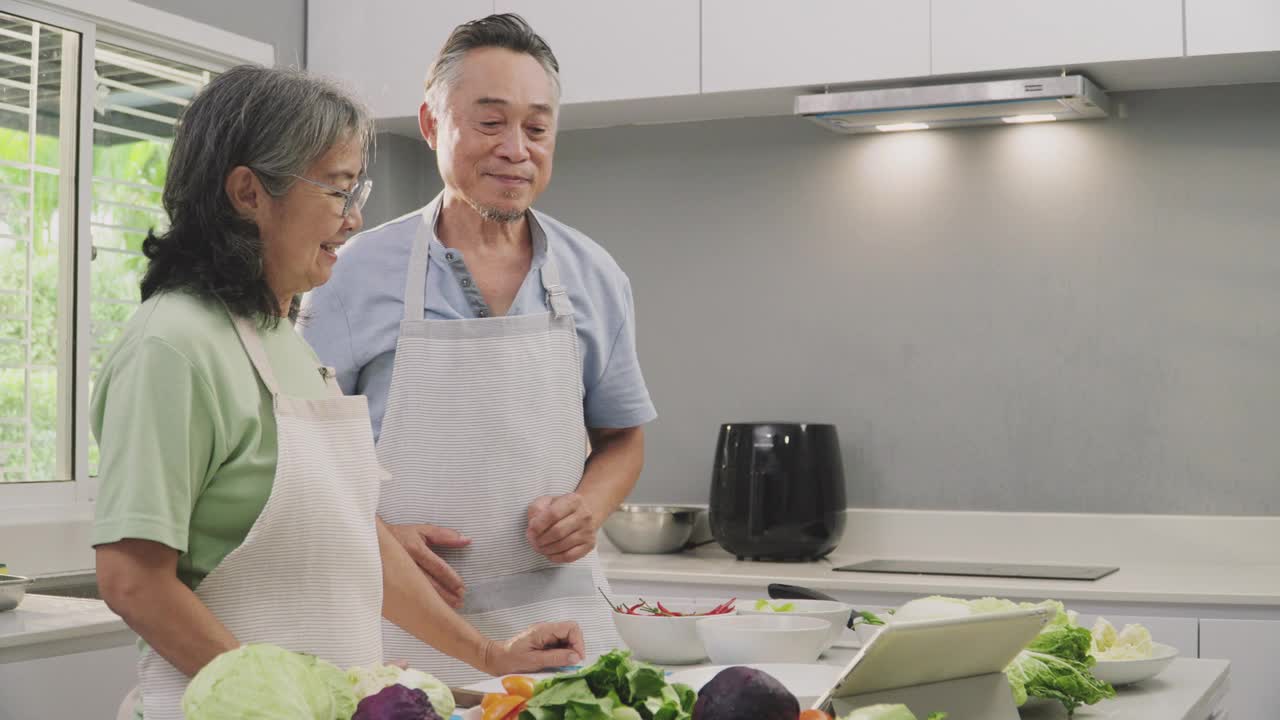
(1064, 97)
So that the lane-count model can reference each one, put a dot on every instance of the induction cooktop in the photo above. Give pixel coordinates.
(981, 569)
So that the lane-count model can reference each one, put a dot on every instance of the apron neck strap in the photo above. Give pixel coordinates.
(557, 296)
(415, 284)
(257, 352)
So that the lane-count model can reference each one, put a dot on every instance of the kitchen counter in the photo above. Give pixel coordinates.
(45, 626)
(1150, 583)
(1188, 690)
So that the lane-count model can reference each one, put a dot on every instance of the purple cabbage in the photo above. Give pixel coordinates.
(396, 702)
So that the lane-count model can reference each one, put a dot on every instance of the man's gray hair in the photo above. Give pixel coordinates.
(507, 31)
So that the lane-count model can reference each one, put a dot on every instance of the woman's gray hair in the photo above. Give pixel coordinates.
(507, 30)
(276, 122)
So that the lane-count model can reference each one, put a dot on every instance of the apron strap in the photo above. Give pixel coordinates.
(257, 352)
(415, 283)
(557, 296)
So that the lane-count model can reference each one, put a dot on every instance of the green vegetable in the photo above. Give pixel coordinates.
(772, 607)
(1049, 676)
(269, 683)
(1054, 666)
(368, 681)
(888, 712)
(1131, 643)
(614, 688)
(870, 618)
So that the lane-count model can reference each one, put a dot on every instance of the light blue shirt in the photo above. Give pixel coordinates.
(353, 321)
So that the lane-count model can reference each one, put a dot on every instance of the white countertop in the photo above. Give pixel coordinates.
(46, 626)
(1188, 690)
(1224, 583)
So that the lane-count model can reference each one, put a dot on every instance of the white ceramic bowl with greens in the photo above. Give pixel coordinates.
(1127, 672)
(777, 638)
(836, 613)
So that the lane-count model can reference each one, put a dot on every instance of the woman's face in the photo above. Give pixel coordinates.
(302, 230)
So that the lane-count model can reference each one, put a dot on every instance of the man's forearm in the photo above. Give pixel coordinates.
(617, 456)
(409, 600)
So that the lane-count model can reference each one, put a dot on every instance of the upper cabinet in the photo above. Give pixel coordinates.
(753, 45)
(1219, 27)
(688, 60)
(617, 49)
(984, 35)
(381, 49)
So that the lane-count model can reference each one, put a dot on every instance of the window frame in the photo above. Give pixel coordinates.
(163, 37)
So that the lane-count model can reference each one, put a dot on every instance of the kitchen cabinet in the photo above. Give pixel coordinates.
(381, 49)
(984, 35)
(1253, 647)
(617, 49)
(748, 46)
(81, 685)
(1219, 27)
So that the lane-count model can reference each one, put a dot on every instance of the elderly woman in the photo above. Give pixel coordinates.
(238, 486)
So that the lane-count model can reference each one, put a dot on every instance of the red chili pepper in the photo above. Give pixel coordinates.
(665, 611)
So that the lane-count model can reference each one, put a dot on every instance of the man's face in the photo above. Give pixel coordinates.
(495, 139)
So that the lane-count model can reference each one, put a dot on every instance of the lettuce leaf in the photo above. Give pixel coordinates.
(613, 688)
(1048, 676)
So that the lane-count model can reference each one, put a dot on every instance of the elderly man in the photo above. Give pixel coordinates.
(492, 342)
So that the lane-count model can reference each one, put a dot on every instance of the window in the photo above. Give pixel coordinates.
(138, 99)
(86, 124)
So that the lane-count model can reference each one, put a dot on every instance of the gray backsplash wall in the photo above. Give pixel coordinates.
(1081, 317)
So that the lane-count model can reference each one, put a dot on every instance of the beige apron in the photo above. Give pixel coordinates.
(483, 416)
(308, 576)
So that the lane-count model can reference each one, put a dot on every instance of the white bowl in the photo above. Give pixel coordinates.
(836, 613)
(665, 640)
(807, 682)
(1127, 672)
(776, 638)
(866, 631)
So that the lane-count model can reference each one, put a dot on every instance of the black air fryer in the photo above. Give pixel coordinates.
(777, 491)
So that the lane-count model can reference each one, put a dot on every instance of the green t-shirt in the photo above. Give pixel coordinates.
(186, 431)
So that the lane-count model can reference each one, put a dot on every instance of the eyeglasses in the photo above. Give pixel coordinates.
(355, 197)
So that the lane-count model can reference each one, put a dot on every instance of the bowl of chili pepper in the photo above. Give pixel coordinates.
(663, 630)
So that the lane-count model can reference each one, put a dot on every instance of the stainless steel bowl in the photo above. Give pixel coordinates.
(12, 589)
(651, 529)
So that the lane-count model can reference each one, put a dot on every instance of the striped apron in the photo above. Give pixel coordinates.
(483, 416)
(308, 576)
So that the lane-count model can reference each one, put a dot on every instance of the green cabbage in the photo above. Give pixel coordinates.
(368, 681)
(266, 682)
(1131, 643)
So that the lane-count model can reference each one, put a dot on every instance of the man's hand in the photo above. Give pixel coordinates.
(418, 541)
(541, 646)
(562, 528)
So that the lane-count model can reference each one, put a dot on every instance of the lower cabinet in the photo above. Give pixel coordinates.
(1253, 647)
(87, 685)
